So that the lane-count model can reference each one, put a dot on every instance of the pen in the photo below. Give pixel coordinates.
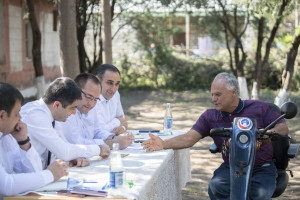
(103, 188)
(147, 131)
(90, 182)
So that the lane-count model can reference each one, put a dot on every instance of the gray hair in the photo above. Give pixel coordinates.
(232, 82)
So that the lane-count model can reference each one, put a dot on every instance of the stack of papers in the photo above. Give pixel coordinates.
(86, 189)
(88, 192)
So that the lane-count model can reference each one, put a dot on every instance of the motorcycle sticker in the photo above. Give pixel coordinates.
(244, 124)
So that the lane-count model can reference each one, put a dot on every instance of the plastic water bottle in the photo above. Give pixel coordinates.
(116, 181)
(168, 122)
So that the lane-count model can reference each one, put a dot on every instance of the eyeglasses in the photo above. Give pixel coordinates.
(90, 97)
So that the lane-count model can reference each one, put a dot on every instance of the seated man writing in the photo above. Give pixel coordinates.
(20, 165)
(57, 104)
(228, 105)
(83, 127)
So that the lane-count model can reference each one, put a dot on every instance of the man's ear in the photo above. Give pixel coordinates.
(3, 114)
(56, 104)
(234, 91)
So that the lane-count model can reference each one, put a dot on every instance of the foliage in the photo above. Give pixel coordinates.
(160, 66)
(177, 73)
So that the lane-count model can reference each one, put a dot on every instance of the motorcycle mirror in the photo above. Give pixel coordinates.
(289, 110)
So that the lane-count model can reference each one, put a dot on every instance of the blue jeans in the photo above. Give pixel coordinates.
(263, 182)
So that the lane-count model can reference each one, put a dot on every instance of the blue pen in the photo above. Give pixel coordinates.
(103, 188)
(147, 131)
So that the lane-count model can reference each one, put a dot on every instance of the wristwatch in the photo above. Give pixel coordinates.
(24, 141)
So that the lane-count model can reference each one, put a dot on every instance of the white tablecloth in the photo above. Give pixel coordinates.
(158, 175)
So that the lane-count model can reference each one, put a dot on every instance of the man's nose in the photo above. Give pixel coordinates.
(92, 103)
(213, 98)
(114, 88)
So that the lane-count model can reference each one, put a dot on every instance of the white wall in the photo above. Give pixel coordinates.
(15, 38)
(50, 41)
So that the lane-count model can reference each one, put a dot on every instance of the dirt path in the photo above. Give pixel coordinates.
(145, 110)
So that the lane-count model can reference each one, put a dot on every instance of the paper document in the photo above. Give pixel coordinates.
(135, 146)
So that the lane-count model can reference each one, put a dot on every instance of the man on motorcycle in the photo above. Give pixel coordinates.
(228, 105)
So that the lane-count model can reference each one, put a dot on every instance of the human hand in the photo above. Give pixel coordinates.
(20, 131)
(119, 130)
(59, 169)
(20, 134)
(79, 162)
(124, 140)
(105, 151)
(155, 143)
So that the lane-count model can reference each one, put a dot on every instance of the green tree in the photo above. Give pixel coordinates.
(288, 70)
(266, 12)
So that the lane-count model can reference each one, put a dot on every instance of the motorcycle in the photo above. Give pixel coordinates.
(244, 140)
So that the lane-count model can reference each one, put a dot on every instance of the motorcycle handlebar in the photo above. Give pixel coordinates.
(226, 132)
(272, 135)
(221, 132)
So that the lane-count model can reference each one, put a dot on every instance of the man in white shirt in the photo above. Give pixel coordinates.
(20, 165)
(59, 102)
(83, 127)
(109, 108)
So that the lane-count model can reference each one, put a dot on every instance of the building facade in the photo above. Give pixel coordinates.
(16, 65)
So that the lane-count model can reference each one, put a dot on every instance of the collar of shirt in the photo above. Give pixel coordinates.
(78, 113)
(102, 99)
(238, 109)
(43, 104)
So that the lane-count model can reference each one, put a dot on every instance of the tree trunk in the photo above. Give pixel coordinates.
(261, 67)
(36, 51)
(232, 29)
(288, 72)
(106, 31)
(255, 91)
(81, 54)
(36, 45)
(244, 93)
(81, 20)
(229, 51)
(68, 38)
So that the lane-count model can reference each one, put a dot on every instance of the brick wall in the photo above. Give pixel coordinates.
(15, 67)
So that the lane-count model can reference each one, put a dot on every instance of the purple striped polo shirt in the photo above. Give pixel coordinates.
(258, 110)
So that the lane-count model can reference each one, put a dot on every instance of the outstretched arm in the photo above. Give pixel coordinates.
(187, 140)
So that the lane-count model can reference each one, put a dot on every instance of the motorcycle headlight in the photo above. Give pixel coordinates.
(243, 138)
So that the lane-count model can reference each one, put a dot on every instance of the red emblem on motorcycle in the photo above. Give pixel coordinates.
(245, 124)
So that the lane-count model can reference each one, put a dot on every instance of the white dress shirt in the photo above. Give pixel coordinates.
(44, 137)
(82, 129)
(108, 111)
(20, 170)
